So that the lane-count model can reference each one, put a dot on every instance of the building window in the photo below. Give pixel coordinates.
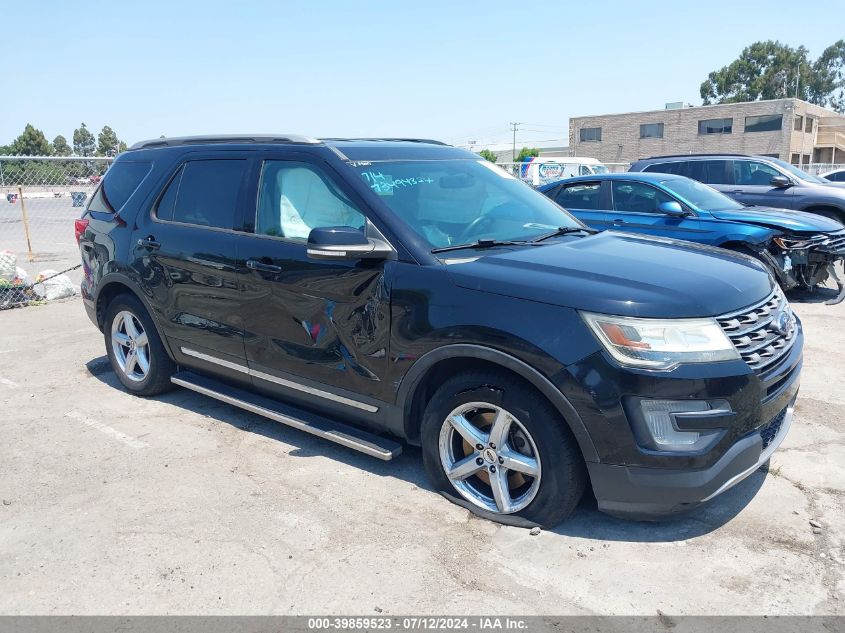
(715, 126)
(764, 123)
(651, 130)
(799, 123)
(809, 128)
(590, 134)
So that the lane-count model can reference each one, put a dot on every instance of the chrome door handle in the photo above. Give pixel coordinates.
(254, 264)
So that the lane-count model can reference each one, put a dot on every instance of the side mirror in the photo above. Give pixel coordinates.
(673, 208)
(780, 182)
(345, 242)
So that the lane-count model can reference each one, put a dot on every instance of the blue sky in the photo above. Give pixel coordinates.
(457, 71)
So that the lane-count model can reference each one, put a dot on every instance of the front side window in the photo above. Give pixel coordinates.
(651, 130)
(579, 196)
(637, 197)
(590, 134)
(294, 198)
(764, 123)
(119, 183)
(752, 173)
(459, 201)
(204, 192)
(715, 126)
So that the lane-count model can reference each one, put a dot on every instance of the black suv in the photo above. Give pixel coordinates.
(760, 181)
(366, 289)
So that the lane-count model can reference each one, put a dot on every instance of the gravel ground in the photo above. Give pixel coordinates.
(179, 504)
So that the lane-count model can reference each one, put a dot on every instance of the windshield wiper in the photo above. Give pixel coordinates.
(564, 230)
(480, 244)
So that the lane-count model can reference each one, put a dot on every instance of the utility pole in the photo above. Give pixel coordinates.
(514, 127)
(797, 78)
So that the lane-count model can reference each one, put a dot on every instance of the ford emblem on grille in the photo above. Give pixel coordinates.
(782, 321)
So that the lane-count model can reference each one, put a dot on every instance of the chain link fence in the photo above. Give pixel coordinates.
(40, 197)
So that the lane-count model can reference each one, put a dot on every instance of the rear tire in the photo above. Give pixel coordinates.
(135, 350)
(522, 465)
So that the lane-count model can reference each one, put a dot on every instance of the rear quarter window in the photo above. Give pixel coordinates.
(120, 182)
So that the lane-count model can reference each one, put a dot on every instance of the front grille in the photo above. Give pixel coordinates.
(770, 431)
(834, 244)
(761, 334)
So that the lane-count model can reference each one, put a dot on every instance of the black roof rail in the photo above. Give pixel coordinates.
(693, 156)
(395, 140)
(224, 138)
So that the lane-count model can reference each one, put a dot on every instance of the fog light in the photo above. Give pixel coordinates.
(659, 422)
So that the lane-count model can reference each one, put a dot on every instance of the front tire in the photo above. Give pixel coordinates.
(496, 447)
(135, 350)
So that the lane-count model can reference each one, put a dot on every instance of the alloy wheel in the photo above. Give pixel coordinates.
(130, 346)
(489, 457)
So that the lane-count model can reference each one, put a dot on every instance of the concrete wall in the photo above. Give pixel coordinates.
(621, 142)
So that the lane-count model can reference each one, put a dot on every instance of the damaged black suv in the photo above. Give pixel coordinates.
(369, 290)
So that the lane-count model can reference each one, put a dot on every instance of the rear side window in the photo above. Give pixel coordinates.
(119, 183)
(580, 196)
(710, 172)
(204, 192)
(678, 168)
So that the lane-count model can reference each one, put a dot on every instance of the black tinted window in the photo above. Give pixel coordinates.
(677, 167)
(838, 176)
(590, 134)
(763, 123)
(715, 126)
(164, 209)
(651, 130)
(119, 183)
(710, 172)
(580, 196)
(208, 192)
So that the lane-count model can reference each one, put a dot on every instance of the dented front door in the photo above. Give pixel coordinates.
(316, 332)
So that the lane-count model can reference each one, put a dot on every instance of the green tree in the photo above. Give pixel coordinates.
(487, 155)
(60, 146)
(773, 70)
(107, 142)
(827, 85)
(31, 143)
(526, 152)
(83, 141)
(122, 147)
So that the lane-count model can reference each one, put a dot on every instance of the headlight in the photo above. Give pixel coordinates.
(661, 343)
(787, 243)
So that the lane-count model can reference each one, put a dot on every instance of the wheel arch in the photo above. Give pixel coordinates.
(433, 368)
(828, 210)
(114, 285)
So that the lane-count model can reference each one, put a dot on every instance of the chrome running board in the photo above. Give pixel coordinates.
(349, 436)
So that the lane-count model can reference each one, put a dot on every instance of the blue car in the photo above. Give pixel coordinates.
(799, 249)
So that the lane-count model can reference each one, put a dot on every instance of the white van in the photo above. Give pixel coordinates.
(540, 170)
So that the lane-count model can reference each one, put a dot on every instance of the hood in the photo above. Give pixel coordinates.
(793, 221)
(619, 273)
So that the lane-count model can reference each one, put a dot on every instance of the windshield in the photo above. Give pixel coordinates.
(451, 202)
(800, 174)
(700, 195)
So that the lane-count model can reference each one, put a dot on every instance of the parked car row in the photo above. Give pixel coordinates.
(800, 248)
(384, 290)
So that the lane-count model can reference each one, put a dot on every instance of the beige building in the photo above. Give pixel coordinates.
(789, 129)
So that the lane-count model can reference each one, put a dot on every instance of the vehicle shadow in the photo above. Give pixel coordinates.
(819, 295)
(586, 522)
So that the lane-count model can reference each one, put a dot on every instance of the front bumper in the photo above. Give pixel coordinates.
(648, 493)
